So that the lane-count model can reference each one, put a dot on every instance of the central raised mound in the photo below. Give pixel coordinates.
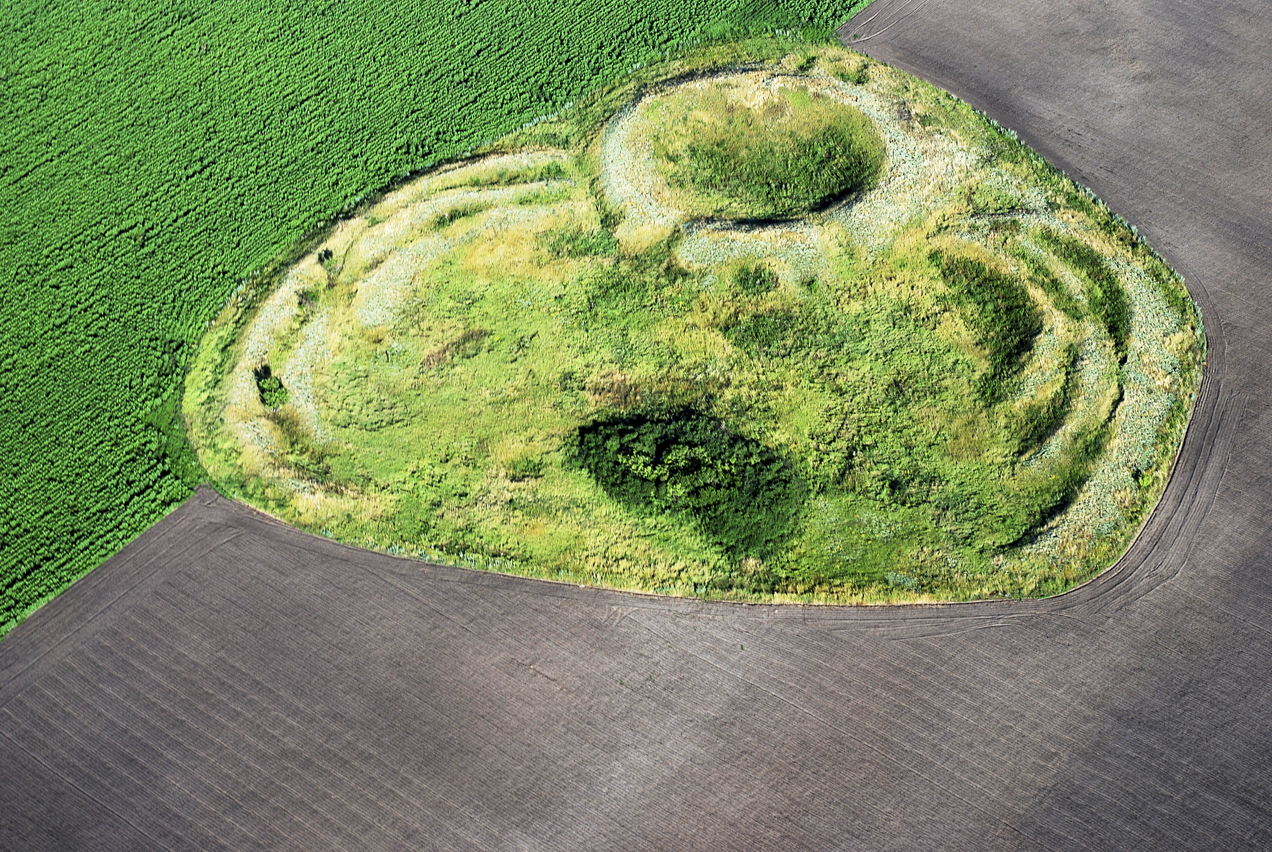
(754, 325)
(760, 152)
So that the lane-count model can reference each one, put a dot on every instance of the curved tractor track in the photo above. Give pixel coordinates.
(226, 682)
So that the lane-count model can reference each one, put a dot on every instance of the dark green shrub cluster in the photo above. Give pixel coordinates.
(998, 310)
(743, 495)
(1106, 296)
(755, 279)
(270, 388)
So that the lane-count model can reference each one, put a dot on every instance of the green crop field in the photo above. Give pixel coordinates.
(154, 156)
(764, 321)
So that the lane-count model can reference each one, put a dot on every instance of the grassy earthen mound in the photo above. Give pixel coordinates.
(763, 334)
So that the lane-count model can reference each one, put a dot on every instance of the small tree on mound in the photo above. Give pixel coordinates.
(270, 387)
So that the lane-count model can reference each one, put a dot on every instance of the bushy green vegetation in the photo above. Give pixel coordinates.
(744, 495)
(270, 387)
(575, 242)
(796, 154)
(755, 279)
(841, 407)
(156, 156)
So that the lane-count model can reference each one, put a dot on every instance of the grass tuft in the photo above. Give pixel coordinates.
(1107, 297)
(998, 310)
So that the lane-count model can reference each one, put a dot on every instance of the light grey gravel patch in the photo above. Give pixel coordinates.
(921, 172)
(628, 175)
(382, 294)
(298, 375)
(795, 245)
(1148, 379)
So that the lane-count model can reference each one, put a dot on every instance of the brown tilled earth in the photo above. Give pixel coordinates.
(230, 683)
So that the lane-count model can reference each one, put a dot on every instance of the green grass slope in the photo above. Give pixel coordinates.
(967, 380)
(155, 155)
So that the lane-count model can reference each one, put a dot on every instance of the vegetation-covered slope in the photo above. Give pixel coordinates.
(618, 362)
(153, 155)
